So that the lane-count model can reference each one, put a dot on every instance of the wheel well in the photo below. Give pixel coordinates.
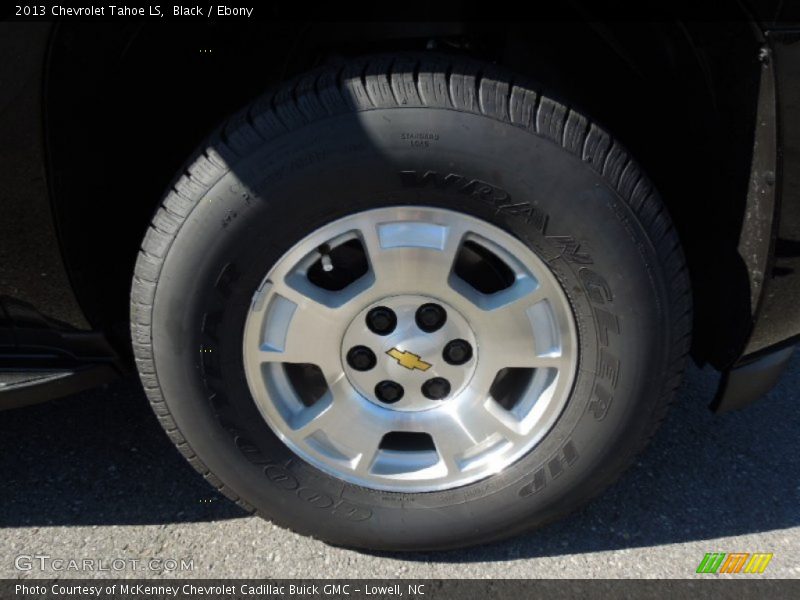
(127, 104)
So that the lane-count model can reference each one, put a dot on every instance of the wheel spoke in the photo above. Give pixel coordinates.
(506, 334)
(420, 262)
(368, 448)
(467, 434)
(349, 425)
(299, 329)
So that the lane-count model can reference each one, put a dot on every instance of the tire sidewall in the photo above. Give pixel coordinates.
(529, 186)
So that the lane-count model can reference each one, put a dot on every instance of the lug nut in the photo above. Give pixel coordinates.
(389, 391)
(381, 320)
(430, 317)
(457, 352)
(361, 358)
(436, 388)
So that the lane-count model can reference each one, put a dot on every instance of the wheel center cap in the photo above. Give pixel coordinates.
(409, 353)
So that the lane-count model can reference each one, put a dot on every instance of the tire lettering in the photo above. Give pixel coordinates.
(570, 249)
(600, 402)
(608, 366)
(314, 498)
(351, 512)
(606, 322)
(537, 484)
(281, 477)
(566, 456)
(599, 293)
(226, 279)
(596, 286)
(499, 198)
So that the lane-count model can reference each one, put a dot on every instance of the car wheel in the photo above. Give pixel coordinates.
(410, 303)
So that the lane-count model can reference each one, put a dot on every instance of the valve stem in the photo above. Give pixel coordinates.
(325, 258)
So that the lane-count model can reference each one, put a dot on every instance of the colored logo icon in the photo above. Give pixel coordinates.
(735, 562)
(409, 360)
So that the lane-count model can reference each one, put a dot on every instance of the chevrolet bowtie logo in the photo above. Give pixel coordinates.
(409, 360)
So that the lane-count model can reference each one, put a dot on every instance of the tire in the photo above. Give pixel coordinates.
(435, 133)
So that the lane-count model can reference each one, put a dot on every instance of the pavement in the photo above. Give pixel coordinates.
(93, 477)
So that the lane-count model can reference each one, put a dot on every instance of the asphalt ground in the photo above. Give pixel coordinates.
(93, 477)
